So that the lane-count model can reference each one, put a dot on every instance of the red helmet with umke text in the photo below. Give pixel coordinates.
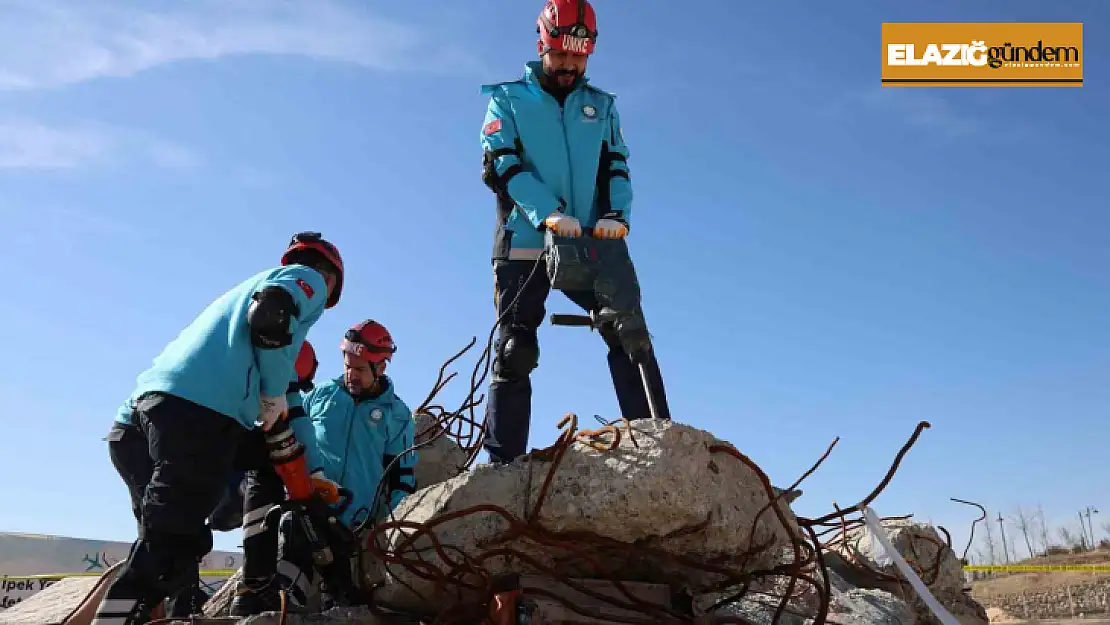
(567, 26)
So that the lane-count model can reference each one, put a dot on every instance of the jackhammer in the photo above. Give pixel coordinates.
(332, 544)
(604, 267)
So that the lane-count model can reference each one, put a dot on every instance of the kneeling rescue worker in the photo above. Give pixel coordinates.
(229, 512)
(555, 156)
(265, 486)
(224, 375)
(357, 434)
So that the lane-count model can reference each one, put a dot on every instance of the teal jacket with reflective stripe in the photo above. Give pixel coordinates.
(212, 362)
(548, 157)
(355, 440)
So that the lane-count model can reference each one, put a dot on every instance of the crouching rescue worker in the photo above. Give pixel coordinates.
(225, 375)
(254, 455)
(265, 487)
(357, 435)
(228, 514)
(555, 156)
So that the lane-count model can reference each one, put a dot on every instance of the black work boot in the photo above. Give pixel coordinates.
(257, 597)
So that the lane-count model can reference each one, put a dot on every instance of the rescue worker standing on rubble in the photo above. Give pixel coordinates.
(357, 434)
(555, 156)
(222, 377)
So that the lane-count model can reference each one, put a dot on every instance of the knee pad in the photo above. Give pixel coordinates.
(629, 334)
(518, 353)
(608, 332)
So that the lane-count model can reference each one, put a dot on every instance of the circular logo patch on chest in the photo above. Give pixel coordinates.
(589, 112)
(376, 414)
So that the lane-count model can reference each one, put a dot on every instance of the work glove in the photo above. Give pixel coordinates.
(563, 225)
(323, 487)
(270, 410)
(609, 229)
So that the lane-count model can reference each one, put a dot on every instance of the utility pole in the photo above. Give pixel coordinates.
(1082, 531)
(1089, 511)
(1005, 548)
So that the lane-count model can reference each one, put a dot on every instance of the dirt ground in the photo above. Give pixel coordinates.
(1099, 556)
(1012, 583)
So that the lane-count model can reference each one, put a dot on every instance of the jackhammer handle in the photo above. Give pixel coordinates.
(559, 319)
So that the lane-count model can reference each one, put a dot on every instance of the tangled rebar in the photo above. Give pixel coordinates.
(463, 586)
(459, 425)
(971, 535)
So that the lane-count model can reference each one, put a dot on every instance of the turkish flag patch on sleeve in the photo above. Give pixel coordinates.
(492, 127)
(306, 288)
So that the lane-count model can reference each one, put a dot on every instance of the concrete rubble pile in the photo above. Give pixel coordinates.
(671, 512)
(860, 557)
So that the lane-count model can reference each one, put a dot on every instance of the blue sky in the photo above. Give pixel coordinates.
(820, 257)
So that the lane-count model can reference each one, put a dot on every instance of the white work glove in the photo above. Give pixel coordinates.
(609, 229)
(270, 410)
(325, 488)
(563, 225)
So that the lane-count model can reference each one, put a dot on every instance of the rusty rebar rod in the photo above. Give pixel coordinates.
(453, 572)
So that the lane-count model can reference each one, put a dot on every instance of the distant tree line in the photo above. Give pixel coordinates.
(1028, 534)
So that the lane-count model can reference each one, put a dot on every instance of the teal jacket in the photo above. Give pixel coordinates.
(550, 157)
(355, 440)
(294, 399)
(212, 362)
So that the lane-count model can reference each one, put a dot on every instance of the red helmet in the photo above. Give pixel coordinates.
(306, 248)
(567, 26)
(369, 341)
(306, 363)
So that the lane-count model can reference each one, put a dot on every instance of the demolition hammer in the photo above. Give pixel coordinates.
(603, 267)
(330, 542)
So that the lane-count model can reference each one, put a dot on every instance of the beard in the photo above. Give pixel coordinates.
(561, 80)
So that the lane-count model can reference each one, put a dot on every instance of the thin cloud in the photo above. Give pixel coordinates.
(256, 177)
(38, 226)
(922, 108)
(165, 154)
(51, 43)
(915, 107)
(27, 144)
